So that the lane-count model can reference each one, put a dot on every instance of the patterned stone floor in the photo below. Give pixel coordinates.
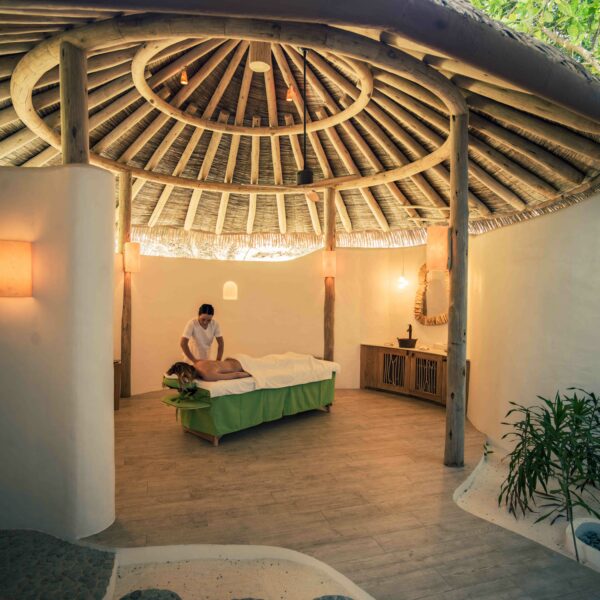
(362, 489)
(38, 566)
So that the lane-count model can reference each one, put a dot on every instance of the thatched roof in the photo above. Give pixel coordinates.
(529, 152)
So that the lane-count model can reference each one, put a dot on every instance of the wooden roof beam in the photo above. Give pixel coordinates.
(477, 146)
(525, 147)
(587, 150)
(275, 147)
(299, 159)
(235, 145)
(254, 173)
(209, 158)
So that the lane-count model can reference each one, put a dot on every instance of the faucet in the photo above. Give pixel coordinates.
(409, 332)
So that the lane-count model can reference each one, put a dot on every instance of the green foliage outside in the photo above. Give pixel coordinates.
(571, 25)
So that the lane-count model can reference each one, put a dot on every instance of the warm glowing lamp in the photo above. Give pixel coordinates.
(329, 263)
(230, 290)
(437, 248)
(290, 94)
(403, 283)
(313, 196)
(131, 257)
(183, 78)
(15, 269)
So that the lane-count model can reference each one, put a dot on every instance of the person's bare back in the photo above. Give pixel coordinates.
(218, 370)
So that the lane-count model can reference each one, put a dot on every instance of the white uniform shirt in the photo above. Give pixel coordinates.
(201, 338)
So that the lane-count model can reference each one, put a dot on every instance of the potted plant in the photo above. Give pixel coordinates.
(554, 466)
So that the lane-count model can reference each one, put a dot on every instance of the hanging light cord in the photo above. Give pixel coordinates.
(304, 102)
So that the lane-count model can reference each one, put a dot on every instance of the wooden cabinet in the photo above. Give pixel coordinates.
(405, 371)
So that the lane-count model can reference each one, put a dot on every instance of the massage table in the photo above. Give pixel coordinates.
(212, 409)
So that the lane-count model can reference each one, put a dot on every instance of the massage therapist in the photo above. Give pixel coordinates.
(202, 331)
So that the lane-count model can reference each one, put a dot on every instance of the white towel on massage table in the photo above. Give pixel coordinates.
(283, 370)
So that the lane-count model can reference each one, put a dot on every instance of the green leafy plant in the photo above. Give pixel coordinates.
(554, 466)
(571, 25)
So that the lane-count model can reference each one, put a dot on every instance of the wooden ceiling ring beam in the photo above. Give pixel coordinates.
(533, 152)
(587, 150)
(43, 57)
(149, 49)
(481, 148)
(529, 104)
(271, 94)
(6, 19)
(203, 173)
(299, 159)
(25, 29)
(313, 137)
(254, 174)
(7, 38)
(234, 148)
(158, 154)
(394, 152)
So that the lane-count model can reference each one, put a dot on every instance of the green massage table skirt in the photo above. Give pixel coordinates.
(225, 414)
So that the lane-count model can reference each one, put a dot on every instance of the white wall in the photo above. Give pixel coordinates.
(56, 420)
(534, 318)
(280, 307)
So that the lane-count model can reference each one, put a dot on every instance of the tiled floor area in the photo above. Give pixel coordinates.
(362, 488)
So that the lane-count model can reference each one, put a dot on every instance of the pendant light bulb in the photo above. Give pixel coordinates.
(183, 79)
(403, 283)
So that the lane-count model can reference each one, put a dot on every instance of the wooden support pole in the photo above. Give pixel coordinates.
(329, 307)
(124, 237)
(74, 120)
(457, 311)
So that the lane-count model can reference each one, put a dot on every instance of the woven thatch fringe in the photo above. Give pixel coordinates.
(177, 242)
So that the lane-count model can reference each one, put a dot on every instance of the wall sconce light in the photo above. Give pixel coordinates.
(15, 269)
(329, 263)
(230, 290)
(131, 257)
(437, 248)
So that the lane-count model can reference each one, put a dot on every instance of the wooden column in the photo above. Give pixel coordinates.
(74, 122)
(124, 236)
(329, 308)
(457, 312)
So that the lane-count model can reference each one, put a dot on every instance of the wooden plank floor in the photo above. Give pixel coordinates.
(362, 488)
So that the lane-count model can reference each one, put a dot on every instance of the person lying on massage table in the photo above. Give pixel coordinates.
(209, 370)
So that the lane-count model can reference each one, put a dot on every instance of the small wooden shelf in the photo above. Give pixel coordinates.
(407, 371)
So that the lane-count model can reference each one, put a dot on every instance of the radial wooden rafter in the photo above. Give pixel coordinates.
(524, 152)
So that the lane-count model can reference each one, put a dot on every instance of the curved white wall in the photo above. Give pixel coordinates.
(534, 312)
(56, 404)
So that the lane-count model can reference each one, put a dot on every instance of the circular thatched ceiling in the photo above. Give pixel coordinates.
(220, 154)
